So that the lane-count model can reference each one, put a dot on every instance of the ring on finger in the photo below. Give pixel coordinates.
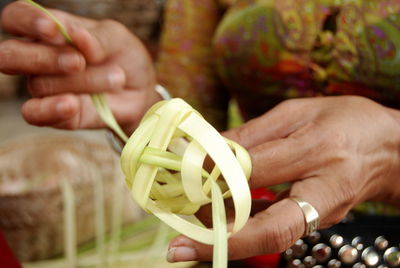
(311, 215)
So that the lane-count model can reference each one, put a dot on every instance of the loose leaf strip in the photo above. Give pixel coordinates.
(220, 152)
(99, 215)
(104, 111)
(69, 223)
(220, 251)
(60, 26)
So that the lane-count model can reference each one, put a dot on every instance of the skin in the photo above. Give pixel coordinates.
(61, 76)
(335, 151)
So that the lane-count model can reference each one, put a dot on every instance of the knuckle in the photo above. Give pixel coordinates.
(335, 218)
(279, 239)
(113, 26)
(39, 60)
(348, 192)
(332, 141)
(7, 54)
(91, 81)
(289, 104)
(70, 125)
(40, 87)
(241, 134)
(336, 141)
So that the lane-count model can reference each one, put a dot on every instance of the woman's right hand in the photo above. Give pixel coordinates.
(105, 57)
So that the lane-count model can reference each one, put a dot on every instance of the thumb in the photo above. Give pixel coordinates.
(269, 231)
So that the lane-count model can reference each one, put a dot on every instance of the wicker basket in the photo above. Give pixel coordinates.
(31, 203)
(140, 16)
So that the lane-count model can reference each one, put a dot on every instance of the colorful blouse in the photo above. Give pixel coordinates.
(273, 50)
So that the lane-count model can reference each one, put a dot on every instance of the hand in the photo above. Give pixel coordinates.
(335, 151)
(105, 57)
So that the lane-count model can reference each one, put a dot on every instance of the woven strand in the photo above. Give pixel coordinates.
(163, 163)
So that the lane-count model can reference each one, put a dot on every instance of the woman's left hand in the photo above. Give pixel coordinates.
(335, 151)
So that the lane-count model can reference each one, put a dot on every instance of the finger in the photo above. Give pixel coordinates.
(204, 214)
(52, 110)
(277, 123)
(295, 157)
(69, 111)
(31, 22)
(271, 230)
(21, 57)
(90, 37)
(268, 232)
(279, 161)
(332, 195)
(95, 79)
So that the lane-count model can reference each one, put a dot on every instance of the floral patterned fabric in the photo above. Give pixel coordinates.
(272, 50)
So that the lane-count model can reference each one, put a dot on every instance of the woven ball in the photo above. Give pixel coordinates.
(174, 135)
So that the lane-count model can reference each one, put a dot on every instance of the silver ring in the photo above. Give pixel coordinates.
(311, 215)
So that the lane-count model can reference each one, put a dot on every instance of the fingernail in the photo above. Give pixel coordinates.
(181, 254)
(116, 77)
(70, 62)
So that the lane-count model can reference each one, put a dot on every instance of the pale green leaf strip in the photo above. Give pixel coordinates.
(116, 219)
(160, 158)
(158, 246)
(173, 183)
(181, 225)
(69, 223)
(135, 146)
(142, 184)
(220, 251)
(170, 116)
(178, 146)
(60, 26)
(145, 175)
(191, 172)
(166, 177)
(99, 216)
(224, 158)
(172, 189)
(179, 205)
(107, 116)
(215, 173)
(242, 156)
